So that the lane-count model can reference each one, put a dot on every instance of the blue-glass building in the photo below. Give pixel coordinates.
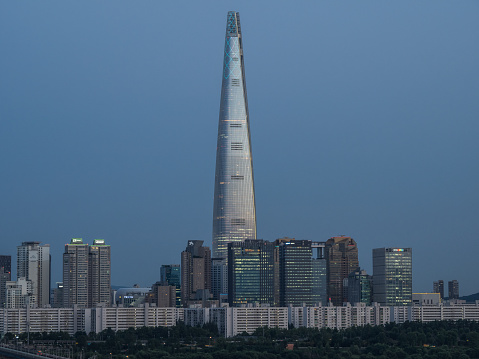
(392, 276)
(234, 213)
(170, 274)
(251, 273)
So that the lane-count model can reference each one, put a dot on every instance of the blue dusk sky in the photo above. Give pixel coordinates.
(364, 122)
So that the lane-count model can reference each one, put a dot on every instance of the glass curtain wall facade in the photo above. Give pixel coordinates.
(250, 270)
(360, 286)
(234, 213)
(170, 274)
(392, 276)
(295, 272)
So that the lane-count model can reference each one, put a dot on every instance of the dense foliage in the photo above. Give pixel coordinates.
(442, 339)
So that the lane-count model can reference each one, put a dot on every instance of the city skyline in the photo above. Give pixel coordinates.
(364, 123)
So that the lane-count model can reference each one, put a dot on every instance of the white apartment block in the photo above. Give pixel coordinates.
(234, 321)
(40, 320)
(119, 318)
(230, 321)
(338, 317)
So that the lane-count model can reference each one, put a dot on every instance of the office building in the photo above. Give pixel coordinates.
(219, 277)
(33, 264)
(295, 272)
(234, 213)
(250, 272)
(170, 274)
(75, 273)
(319, 275)
(5, 276)
(99, 273)
(195, 272)
(392, 276)
(360, 287)
(438, 287)
(453, 289)
(341, 259)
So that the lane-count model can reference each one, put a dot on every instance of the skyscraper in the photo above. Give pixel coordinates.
(33, 264)
(195, 272)
(251, 272)
(342, 259)
(99, 273)
(392, 276)
(295, 272)
(75, 273)
(234, 213)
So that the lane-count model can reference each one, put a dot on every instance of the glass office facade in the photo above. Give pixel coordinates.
(360, 287)
(250, 272)
(392, 276)
(295, 272)
(234, 213)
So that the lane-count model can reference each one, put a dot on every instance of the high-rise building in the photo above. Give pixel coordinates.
(5, 276)
(295, 272)
(219, 277)
(195, 272)
(33, 264)
(438, 287)
(341, 259)
(250, 272)
(319, 275)
(234, 213)
(453, 289)
(75, 273)
(99, 273)
(392, 276)
(170, 274)
(360, 286)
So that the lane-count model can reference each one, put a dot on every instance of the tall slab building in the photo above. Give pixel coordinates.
(234, 213)
(33, 264)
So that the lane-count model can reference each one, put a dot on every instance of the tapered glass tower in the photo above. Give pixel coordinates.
(234, 213)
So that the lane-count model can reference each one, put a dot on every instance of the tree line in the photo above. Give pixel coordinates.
(440, 339)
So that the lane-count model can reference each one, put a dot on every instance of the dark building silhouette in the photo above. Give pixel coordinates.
(5, 276)
(438, 287)
(342, 258)
(453, 289)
